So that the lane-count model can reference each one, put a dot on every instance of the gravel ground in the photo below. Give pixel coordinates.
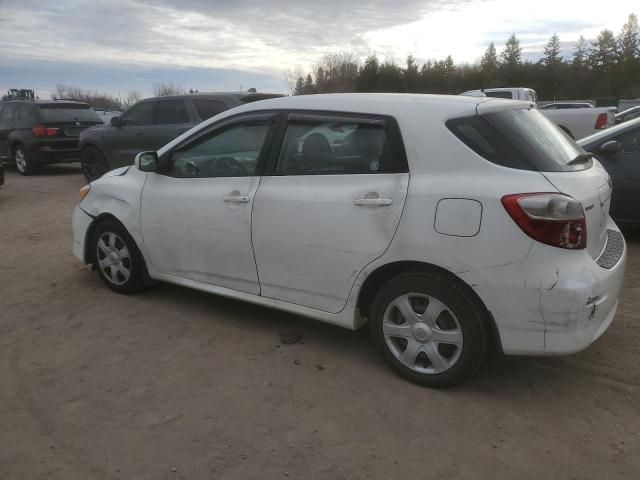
(176, 384)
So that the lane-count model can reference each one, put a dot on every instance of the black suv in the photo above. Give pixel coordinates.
(37, 132)
(150, 124)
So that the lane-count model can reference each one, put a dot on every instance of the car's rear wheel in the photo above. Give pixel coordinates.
(429, 328)
(117, 258)
(93, 163)
(24, 165)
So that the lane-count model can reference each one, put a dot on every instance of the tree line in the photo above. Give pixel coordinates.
(607, 67)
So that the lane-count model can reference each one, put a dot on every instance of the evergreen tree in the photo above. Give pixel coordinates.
(604, 52)
(580, 53)
(309, 87)
(489, 62)
(299, 88)
(552, 56)
(368, 77)
(511, 56)
(629, 50)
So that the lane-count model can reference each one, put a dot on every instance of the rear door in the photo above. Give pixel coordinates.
(133, 135)
(329, 205)
(171, 120)
(624, 168)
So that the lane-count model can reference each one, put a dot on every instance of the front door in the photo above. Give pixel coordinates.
(133, 135)
(624, 169)
(328, 205)
(196, 213)
(6, 126)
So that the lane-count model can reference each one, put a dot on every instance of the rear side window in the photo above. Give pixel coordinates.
(7, 113)
(313, 146)
(52, 113)
(209, 108)
(171, 112)
(480, 137)
(27, 114)
(538, 140)
(524, 139)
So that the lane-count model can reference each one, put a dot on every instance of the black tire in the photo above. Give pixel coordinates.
(113, 275)
(468, 315)
(93, 163)
(23, 162)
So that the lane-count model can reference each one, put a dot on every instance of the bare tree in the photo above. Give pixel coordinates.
(99, 100)
(133, 96)
(163, 89)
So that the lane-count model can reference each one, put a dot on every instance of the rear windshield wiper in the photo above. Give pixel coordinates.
(581, 158)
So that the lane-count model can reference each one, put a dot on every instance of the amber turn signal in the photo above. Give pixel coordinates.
(84, 190)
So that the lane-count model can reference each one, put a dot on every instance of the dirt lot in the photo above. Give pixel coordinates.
(176, 384)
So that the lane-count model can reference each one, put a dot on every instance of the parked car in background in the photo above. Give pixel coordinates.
(1, 174)
(618, 149)
(575, 122)
(564, 106)
(40, 132)
(628, 114)
(304, 204)
(150, 124)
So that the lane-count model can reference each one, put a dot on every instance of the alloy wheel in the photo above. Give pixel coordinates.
(114, 259)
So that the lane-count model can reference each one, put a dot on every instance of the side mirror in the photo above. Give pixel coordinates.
(612, 146)
(115, 121)
(147, 161)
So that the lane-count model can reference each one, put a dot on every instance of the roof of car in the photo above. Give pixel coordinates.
(46, 102)
(213, 95)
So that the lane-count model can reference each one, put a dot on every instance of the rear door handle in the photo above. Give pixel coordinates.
(236, 198)
(373, 202)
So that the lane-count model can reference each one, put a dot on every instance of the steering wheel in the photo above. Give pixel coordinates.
(230, 164)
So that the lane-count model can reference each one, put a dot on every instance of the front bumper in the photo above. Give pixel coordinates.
(80, 223)
(554, 302)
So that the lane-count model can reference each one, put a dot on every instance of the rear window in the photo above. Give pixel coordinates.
(522, 139)
(67, 113)
(503, 94)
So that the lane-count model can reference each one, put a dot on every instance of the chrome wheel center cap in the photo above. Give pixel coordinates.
(113, 256)
(422, 333)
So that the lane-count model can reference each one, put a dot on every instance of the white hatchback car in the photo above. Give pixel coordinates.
(452, 224)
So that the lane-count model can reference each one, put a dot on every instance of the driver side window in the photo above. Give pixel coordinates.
(630, 141)
(232, 152)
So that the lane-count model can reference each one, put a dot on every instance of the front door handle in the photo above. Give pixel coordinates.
(373, 202)
(236, 198)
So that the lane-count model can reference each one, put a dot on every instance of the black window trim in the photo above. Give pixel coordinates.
(394, 135)
(221, 126)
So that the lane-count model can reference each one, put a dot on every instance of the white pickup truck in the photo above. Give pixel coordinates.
(577, 122)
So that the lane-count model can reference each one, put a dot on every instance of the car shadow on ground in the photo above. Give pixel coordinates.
(500, 375)
(631, 233)
(50, 170)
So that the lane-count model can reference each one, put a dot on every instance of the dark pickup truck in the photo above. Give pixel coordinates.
(151, 124)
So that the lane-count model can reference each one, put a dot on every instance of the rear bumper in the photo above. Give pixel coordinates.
(554, 302)
(54, 151)
(80, 224)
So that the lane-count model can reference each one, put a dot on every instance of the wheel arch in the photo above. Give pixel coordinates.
(88, 238)
(382, 274)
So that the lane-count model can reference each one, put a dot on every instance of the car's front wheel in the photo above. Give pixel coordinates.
(117, 258)
(24, 165)
(93, 163)
(429, 328)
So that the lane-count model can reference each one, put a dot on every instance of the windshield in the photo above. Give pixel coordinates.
(68, 113)
(538, 140)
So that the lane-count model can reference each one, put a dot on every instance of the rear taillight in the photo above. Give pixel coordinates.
(42, 131)
(551, 218)
(601, 122)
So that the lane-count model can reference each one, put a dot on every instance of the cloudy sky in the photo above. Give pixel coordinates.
(120, 45)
